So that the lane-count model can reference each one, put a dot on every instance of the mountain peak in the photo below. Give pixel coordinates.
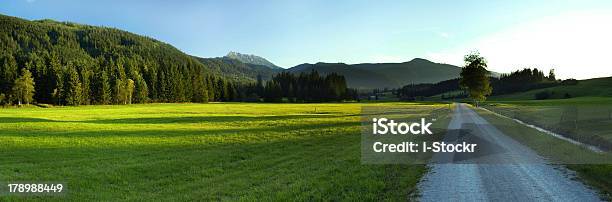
(251, 59)
(419, 60)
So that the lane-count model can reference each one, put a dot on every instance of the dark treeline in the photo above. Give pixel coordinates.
(517, 81)
(414, 91)
(305, 87)
(522, 80)
(73, 64)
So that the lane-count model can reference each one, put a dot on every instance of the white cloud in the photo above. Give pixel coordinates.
(576, 44)
(443, 35)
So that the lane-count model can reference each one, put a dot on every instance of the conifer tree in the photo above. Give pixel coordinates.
(72, 87)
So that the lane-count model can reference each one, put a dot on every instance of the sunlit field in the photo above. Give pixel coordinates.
(230, 151)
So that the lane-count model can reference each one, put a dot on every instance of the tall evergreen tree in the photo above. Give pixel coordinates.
(86, 75)
(73, 87)
(8, 72)
(119, 91)
(141, 89)
(102, 89)
(57, 78)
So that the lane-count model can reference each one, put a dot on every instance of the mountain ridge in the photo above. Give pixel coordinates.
(385, 75)
(251, 59)
(360, 76)
(237, 70)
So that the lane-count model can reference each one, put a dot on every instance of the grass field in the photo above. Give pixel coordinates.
(229, 151)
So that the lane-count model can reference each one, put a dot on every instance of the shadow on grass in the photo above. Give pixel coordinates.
(207, 119)
(176, 132)
(171, 120)
(24, 120)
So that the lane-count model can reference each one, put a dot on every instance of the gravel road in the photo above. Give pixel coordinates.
(503, 170)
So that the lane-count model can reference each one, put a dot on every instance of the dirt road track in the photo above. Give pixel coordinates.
(507, 171)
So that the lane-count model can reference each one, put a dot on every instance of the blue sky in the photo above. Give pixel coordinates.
(290, 32)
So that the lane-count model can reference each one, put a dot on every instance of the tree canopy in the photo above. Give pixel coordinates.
(475, 77)
(23, 89)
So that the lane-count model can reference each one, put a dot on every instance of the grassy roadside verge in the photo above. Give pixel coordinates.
(556, 150)
(587, 120)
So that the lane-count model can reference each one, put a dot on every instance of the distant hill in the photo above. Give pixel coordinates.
(355, 77)
(386, 75)
(251, 59)
(360, 76)
(236, 70)
(414, 71)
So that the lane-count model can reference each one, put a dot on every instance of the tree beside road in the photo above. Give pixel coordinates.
(475, 77)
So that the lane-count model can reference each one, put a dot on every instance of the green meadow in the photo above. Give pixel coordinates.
(216, 151)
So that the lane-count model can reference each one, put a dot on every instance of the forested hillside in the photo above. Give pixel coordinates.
(74, 64)
(251, 59)
(238, 71)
